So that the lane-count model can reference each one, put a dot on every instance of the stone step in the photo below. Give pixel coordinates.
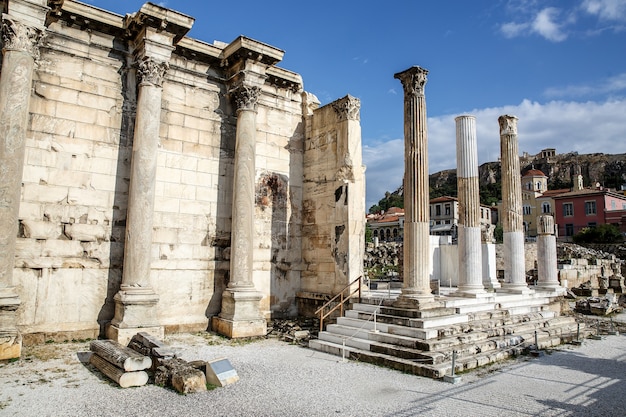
(422, 323)
(378, 347)
(415, 367)
(404, 312)
(388, 328)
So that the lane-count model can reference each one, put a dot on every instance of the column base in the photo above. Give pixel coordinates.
(515, 289)
(556, 289)
(135, 311)
(472, 293)
(417, 302)
(241, 315)
(10, 338)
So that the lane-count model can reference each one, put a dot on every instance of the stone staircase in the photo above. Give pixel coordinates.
(422, 342)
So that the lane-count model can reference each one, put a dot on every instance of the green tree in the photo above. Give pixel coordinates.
(603, 233)
(498, 233)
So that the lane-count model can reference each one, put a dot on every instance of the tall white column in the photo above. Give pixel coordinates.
(155, 31)
(241, 313)
(20, 49)
(416, 285)
(470, 256)
(514, 260)
(547, 273)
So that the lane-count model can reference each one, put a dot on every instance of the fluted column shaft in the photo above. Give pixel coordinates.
(469, 244)
(417, 260)
(512, 224)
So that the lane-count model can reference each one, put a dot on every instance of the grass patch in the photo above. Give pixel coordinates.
(211, 387)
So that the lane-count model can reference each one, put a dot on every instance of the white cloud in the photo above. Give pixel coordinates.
(612, 85)
(606, 9)
(584, 127)
(545, 24)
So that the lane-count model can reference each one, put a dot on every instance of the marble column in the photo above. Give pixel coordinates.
(19, 53)
(514, 261)
(547, 273)
(416, 269)
(136, 301)
(241, 314)
(470, 256)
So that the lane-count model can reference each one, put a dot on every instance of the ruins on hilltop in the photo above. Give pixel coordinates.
(154, 181)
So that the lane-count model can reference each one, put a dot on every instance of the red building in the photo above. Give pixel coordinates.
(588, 207)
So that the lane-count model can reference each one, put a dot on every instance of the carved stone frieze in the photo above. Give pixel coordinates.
(152, 71)
(19, 37)
(348, 108)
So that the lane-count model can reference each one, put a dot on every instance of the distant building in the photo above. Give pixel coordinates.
(588, 207)
(444, 216)
(536, 198)
(387, 226)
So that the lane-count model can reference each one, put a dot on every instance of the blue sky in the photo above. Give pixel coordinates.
(559, 66)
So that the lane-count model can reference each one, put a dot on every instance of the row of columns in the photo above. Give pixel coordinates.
(136, 300)
(416, 288)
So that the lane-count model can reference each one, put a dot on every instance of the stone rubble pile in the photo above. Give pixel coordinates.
(601, 306)
(383, 255)
(129, 365)
(297, 330)
(120, 363)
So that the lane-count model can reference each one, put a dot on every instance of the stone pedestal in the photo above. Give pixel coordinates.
(490, 276)
(416, 268)
(470, 257)
(547, 272)
(512, 224)
(21, 30)
(240, 315)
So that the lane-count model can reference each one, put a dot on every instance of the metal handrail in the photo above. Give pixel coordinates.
(320, 310)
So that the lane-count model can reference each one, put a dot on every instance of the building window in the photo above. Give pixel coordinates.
(590, 208)
(438, 210)
(545, 207)
(448, 209)
(526, 210)
(613, 205)
(568, 209)
(591, 224)
(569, 229)
(538, 186)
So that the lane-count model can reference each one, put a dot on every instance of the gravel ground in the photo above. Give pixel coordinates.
(281, 379)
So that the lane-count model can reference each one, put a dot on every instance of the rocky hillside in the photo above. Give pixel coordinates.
(607, 169)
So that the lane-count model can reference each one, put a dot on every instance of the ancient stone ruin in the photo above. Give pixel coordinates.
(153, 181)
(478, 321)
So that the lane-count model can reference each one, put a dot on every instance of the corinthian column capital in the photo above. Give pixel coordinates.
(245, 96)
(413, 80)
(508, 124)
(152, 71)
(17, 36)
(347, 108)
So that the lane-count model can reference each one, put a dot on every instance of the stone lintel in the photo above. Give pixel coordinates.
(244, 48)
(28, 12)
(85, 14)
(283, 78)
(163, 21)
